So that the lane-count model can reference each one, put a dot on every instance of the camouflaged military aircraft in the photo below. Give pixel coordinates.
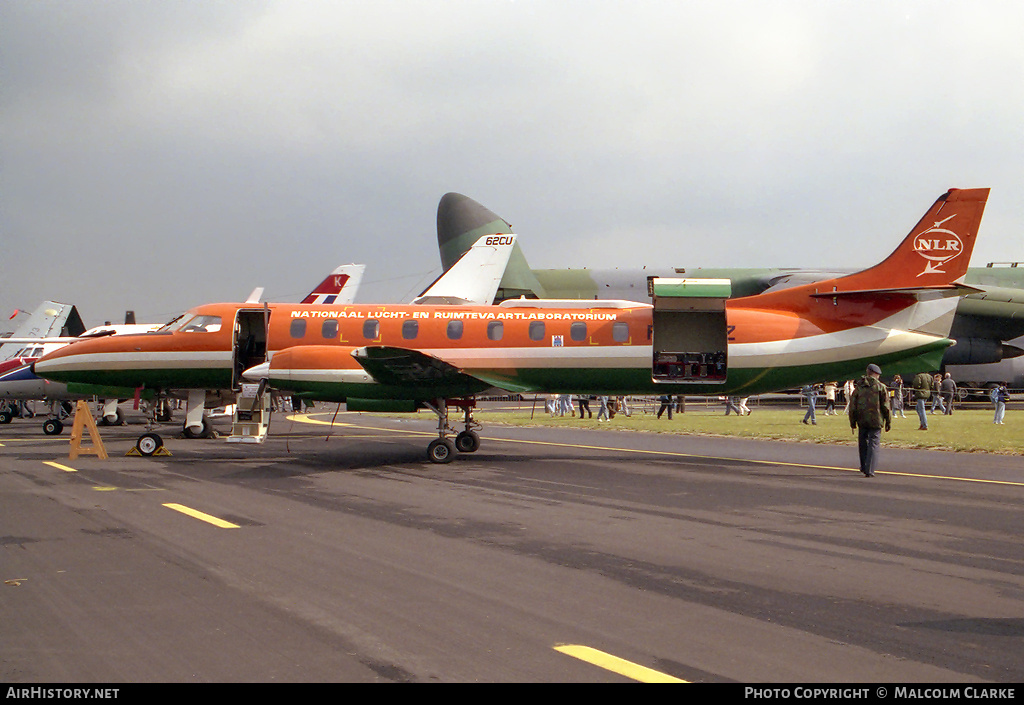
(986, 319)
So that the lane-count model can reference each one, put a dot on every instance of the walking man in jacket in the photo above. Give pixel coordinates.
(869, 411)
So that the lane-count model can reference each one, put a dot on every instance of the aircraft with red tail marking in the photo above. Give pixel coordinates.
(691, 339)
(18, 382)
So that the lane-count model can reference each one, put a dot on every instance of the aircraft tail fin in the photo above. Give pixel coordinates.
(461, 222)
(916, 288)
(936, 253)
(475, 278)
(50, 320)
(340, 286)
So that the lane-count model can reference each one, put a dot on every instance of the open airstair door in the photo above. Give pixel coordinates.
(251, 417)
(690, 336)
(250, 341)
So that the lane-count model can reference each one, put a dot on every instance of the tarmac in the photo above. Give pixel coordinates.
(335, 552)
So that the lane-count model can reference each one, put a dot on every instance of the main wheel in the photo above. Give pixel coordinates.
(118, 419)
(149, 443)
(6, 416)
(467, 442)
(204, 433)
(441, 450)
(52, 427)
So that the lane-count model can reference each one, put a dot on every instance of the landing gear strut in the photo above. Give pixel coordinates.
(150, 443)
(54, 424)
(442, 449)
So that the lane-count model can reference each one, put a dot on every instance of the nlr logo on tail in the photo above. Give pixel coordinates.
(938, 245)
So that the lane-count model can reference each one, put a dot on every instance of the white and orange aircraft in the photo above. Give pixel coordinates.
(691, 339)
(19, 383)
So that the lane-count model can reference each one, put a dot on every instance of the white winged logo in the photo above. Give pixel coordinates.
(938, 245)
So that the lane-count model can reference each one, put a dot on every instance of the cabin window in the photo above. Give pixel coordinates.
(495, 329)
(410, 329)
(536, 330)
(371, 329)
(454, 330)
(578, 331)
(297, 328)
(329, 330)
(620, 332)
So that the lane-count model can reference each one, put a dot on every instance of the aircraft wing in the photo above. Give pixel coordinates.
(403, 367)
(475, 278)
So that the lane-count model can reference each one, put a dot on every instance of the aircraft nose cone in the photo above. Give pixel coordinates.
(257, 373)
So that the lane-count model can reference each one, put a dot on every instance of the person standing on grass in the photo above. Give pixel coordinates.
(1000, 395)
(922, 390)
(948, 388)
(809, 393)
(897, 397)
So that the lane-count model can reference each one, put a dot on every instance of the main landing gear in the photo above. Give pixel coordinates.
(442, 449)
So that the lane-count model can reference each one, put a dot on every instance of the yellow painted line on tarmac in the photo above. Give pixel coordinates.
(616, 664)
(676, 454)
(65, 468)
(767, 462)
(202, 516)
(308, 418)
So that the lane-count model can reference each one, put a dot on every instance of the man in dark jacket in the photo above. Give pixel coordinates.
(869, 411)
(948, 388)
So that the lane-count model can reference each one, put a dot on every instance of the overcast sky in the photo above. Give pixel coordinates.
(158, 155)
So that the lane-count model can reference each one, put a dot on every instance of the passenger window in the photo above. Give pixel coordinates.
(329, 330)
(410, 329)
(620, 332)
(495, 329)
(578, 331)
(298, 328)
(536, 330)
(454, 330)
(371, 329)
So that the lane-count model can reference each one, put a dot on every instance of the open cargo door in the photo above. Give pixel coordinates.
(690, 336)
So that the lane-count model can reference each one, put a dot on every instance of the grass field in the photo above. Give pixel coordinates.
(968, 430)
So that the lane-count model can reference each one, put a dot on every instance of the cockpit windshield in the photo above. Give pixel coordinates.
(171, 324)
(193, 324)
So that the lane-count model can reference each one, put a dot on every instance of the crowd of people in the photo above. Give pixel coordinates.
(870, 405)
(562, 405)
(927, 393)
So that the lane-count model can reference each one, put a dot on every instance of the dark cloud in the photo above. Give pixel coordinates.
(157, 155)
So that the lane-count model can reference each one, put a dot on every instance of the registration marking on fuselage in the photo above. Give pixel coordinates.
(616, 664)
(202, 516)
